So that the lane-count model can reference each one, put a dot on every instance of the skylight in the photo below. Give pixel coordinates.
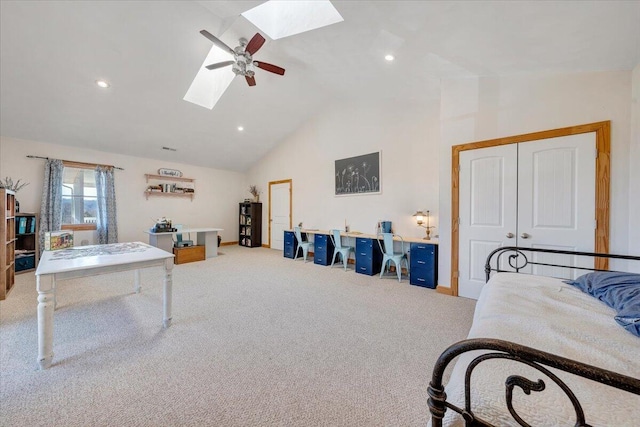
(283, 18)
(209, 85)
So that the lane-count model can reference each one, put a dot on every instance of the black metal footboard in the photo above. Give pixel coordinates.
(537, 359)
(515, 259)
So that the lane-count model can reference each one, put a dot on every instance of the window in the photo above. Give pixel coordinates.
(79, 201)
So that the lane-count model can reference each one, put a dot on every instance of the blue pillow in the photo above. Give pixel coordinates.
(620, 291)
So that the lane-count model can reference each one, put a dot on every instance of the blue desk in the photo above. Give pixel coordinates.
(368, 256)
(423, 254)
(290, 244)
(423, 265)
(323, 248)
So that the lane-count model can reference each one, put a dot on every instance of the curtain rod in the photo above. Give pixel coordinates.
(77, 163)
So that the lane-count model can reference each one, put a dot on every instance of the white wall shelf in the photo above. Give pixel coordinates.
(167, 180)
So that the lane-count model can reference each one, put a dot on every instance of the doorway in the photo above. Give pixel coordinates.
(599, 194)
(279, 212)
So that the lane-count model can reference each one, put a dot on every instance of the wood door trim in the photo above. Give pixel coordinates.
(282, 181)
(603, 177)
(444, 290)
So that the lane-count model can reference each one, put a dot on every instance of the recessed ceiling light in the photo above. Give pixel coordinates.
(389, 57)
(240, 128)
(102, 84)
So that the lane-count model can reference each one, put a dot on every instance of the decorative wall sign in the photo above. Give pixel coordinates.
(169, 172)
(358, 175)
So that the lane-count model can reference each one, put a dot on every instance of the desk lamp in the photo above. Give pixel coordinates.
(420, 219)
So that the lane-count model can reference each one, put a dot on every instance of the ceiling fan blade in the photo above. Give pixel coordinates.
(219, 65)
(217, 42)
(250, 80)
(269, 67)
(256, 43)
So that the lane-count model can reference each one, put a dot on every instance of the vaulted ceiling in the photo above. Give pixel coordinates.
(52, 52)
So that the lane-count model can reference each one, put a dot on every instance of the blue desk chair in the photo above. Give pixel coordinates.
(304, 245)
(388, 255)
(179, 241)
(339, 249)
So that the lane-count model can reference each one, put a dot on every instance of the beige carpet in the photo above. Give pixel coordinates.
(256, 340)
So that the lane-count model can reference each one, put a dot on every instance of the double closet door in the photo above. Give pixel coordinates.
(538, 194)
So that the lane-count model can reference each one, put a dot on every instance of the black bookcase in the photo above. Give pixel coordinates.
(26, 246)
(250, 228)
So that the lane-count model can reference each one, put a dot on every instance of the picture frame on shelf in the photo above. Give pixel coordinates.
(169, 172)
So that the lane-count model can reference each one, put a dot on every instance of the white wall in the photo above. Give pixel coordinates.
(214, 205)
(475, 109)
(634, 169)
(408, 138)
(416, 158)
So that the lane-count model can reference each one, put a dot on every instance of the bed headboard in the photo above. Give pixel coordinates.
(517, 258)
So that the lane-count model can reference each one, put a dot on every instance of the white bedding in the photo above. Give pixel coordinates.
(548, 315)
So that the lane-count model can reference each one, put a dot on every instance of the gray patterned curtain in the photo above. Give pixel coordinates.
(106, 192)
(51, 206)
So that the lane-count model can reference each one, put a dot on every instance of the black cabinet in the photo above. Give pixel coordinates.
(368, 256)
(290, 245)
(423, 265)
(322, 249)
(250, 228)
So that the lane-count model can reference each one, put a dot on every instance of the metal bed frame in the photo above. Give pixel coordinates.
(539, 360)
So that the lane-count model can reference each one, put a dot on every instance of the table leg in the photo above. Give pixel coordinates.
(46, 298)
(137, 287)
(55, 294)
(168, 285)
(210, 239)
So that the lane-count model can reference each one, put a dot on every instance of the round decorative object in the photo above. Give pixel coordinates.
(169, 172)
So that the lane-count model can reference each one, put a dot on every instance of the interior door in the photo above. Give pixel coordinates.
(488, 211)
(279, 212)
(537, 194)
(556, 198)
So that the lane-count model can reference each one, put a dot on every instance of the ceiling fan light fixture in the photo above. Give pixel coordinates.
(103, 83)
(240, 128)
(238, 68)
(241, 65)
(389, 57)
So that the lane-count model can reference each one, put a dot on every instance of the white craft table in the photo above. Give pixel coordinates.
(85, 261)
(204, 236)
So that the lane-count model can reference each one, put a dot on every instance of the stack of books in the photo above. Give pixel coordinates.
(25, 224)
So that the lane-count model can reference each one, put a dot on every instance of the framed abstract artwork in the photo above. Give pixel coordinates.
(358, 175)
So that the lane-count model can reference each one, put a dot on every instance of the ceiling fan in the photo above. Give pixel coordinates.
(243, 63)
